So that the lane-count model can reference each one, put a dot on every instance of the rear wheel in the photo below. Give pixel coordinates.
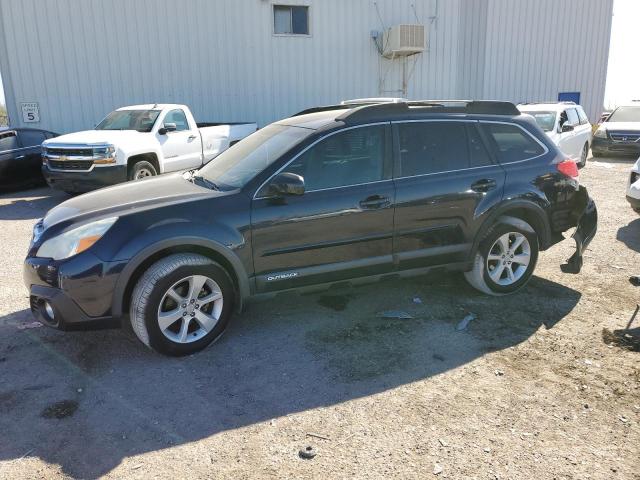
(505, 259)
(181, 304)
(141, 170)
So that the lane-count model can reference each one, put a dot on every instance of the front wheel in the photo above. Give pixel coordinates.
(181, 304)
(141, 170)
(505, 259)
(583, 156)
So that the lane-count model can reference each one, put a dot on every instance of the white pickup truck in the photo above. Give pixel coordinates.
(135, 142)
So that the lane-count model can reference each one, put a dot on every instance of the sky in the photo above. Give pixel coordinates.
(624, 71)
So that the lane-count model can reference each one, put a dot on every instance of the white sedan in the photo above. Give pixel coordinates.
(633, 187)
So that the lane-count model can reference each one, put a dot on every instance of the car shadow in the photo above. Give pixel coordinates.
(29, 204)
(630, 235)
(87, 400)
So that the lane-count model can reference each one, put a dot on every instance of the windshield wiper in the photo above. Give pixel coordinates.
(200, 180)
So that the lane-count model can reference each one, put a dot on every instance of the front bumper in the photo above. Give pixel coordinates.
(587, 225)
(79, 291)
(97, 177)
(606, 146)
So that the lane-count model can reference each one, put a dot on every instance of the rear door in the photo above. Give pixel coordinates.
(444, 178)
(10, 156)
(567, 139)
(182, 148)
(30, 142)
(584, 129)
(342, 226)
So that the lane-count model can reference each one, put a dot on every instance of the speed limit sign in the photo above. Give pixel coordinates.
(30, 112)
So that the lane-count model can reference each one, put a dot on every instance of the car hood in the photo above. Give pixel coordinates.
(626, 126)
(91, 137)
(126, 198)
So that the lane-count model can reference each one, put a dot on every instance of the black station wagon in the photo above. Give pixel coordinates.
(343, 193)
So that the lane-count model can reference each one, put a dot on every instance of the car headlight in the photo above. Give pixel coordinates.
(601, 132)
(76, 240)
(104, 154)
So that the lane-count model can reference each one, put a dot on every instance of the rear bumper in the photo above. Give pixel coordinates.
(587, 226)
(606, 146)
(79, 182)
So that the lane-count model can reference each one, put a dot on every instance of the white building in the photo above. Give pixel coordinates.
(67, 63)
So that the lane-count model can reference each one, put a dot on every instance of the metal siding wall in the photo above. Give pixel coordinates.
(537, 49)
(79, 59)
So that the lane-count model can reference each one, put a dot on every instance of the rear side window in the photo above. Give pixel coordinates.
(31, 138)
(8, 141)
(478, 155)
(432, 147)
(582, 116)
(347, 158)
(511, 143)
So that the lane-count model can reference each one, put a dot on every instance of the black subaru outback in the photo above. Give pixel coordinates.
(332, 194)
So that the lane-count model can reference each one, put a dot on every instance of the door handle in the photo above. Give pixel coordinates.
(375, 202)
(191, 137)
(483, 185)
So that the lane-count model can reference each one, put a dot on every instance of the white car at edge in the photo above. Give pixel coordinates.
(566, 124)
(633, 187)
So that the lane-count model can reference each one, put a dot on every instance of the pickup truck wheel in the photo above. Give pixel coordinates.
(181, 304)
(505, 259)
(141, 170)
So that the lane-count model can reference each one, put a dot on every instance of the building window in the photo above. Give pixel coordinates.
(290, 20)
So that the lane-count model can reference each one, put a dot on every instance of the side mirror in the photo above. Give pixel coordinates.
(566, 128)
(285, 184)
(167, 127)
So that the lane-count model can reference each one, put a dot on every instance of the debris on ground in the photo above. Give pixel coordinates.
(499, 373)
(464, 323)
(443, 442)
(398, 314)
(26, 326)
(307, 452)
(437, 469)
(316, 435)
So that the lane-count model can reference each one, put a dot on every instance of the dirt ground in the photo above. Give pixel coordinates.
(544, 384)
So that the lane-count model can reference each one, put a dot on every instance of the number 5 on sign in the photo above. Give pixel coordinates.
(30, 112)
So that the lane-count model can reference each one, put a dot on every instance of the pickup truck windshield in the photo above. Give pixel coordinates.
(140, 120)
(545, 120)
(625, 114)
(235, 167)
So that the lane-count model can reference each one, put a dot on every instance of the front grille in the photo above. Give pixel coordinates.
(628, 137)
(71, 164)
(71, 152)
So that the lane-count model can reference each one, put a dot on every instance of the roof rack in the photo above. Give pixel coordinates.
(379, 110)
(357, 102)
(564, 102)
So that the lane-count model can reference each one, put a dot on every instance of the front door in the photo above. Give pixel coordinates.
(182, 148)
(444, 176)
(341, 227)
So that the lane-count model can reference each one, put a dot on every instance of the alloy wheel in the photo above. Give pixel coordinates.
(190, 309)
(143, 173)
(508, 258)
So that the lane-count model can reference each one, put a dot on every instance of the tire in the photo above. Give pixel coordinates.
(583, 156)
(481, 276)
(173, 278)
(141, 170)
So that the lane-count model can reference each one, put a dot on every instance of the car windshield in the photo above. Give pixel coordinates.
(235, 167)
(140, 120)
(545, 120)
(625, 114)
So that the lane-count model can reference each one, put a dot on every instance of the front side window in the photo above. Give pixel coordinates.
(432, 147)
(351, 157)
(290, 20)
(140, 120)
(545, 120)
(236, 166)
(8, 141)
(511, 143)
(572, 115)
(178, 118)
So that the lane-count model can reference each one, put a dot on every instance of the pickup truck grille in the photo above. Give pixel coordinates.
(70, 164)
(71, 152)
(629, 137)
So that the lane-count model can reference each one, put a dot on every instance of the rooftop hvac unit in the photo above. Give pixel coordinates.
(403, 40)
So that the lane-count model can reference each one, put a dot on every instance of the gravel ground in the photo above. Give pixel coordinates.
(542, 384)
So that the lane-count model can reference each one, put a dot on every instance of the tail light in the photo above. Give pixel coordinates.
(568, 167)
